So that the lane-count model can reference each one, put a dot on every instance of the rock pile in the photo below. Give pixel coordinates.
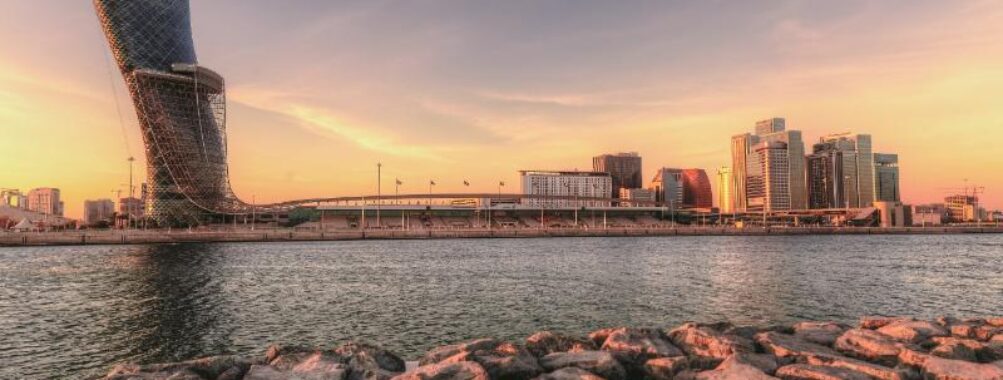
(883, 348)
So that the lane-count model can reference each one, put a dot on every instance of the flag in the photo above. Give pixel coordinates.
(502, 183)
(465, 183)
(431, 183)
(398, 181)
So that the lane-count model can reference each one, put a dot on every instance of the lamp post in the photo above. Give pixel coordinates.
(431, 183)
(397, 185)
(130, 205)
(379, 197)
(254, 208)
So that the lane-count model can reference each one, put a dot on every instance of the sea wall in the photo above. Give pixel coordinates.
(266, 235)
(890, 348)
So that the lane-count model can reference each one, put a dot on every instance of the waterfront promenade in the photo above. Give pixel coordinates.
(159, 236)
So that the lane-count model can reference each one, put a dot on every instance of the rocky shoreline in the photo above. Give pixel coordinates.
(885, 348)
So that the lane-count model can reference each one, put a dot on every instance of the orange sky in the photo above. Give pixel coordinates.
(318, 92)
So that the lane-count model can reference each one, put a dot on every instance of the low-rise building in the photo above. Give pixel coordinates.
(45, 200)
(929, 215)
(98, 211)
(893, 214)
(574, 184)
(638, 195)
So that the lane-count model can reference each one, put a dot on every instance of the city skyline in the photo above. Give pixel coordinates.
(482, 129)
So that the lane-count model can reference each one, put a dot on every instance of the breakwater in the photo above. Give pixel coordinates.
(890, 348)
(290, 234)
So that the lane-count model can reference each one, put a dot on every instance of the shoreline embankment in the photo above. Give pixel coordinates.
(889, 348)
(165, 236)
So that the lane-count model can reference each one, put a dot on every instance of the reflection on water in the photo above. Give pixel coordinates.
(71, 311)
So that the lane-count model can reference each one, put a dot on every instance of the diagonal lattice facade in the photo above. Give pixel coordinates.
(181, 109)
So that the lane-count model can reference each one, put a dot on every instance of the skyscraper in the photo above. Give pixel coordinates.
(624, 170)
(772, 125)
(745, 166)
(886, 177)
(725, 192)
(857, 164)
(180, 106)
(741, 145)
(768, 183)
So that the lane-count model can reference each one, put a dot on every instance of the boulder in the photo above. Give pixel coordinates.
(313, 366)
(601, 363)
(947, 321)
(749, 332)
(957, 348)
(987, 332)
(765, 362)
(569, 373)
(666, 368)
(817, 372)
(632, 347)
(501, 360)
(876, 322)
(203, 368)
(386, 360)
(873, 370)
(599, 336)
(440, 353)
(733, 370)
(913, 331)
(937, 368)
(869, 345)
(460, 370)
(790, 346)
(704, 341)
(995, 321)
(546, 342)
(824, 333)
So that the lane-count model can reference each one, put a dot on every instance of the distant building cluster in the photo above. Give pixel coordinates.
(772, 172)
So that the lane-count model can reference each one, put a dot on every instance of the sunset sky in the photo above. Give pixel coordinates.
(320, 91)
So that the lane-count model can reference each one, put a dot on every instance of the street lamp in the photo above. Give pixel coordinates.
(431, 183)
(379, 198)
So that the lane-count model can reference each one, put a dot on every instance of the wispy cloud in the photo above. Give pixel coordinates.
(326, 123)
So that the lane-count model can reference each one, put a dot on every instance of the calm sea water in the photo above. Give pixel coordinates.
(74, 311)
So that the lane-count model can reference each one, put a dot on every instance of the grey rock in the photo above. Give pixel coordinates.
(601, 363)
(546, 342)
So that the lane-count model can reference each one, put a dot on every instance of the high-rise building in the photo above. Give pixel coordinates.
(45, 200)
(181, 107)
(725, 192)
(886, 177)
(744, 147)
(768, 183)
(98, 210)
(857, 179)
(831, 182)
(566, 184)
(772, 125)
(624, 170)
(741, 146)
(683, 188)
